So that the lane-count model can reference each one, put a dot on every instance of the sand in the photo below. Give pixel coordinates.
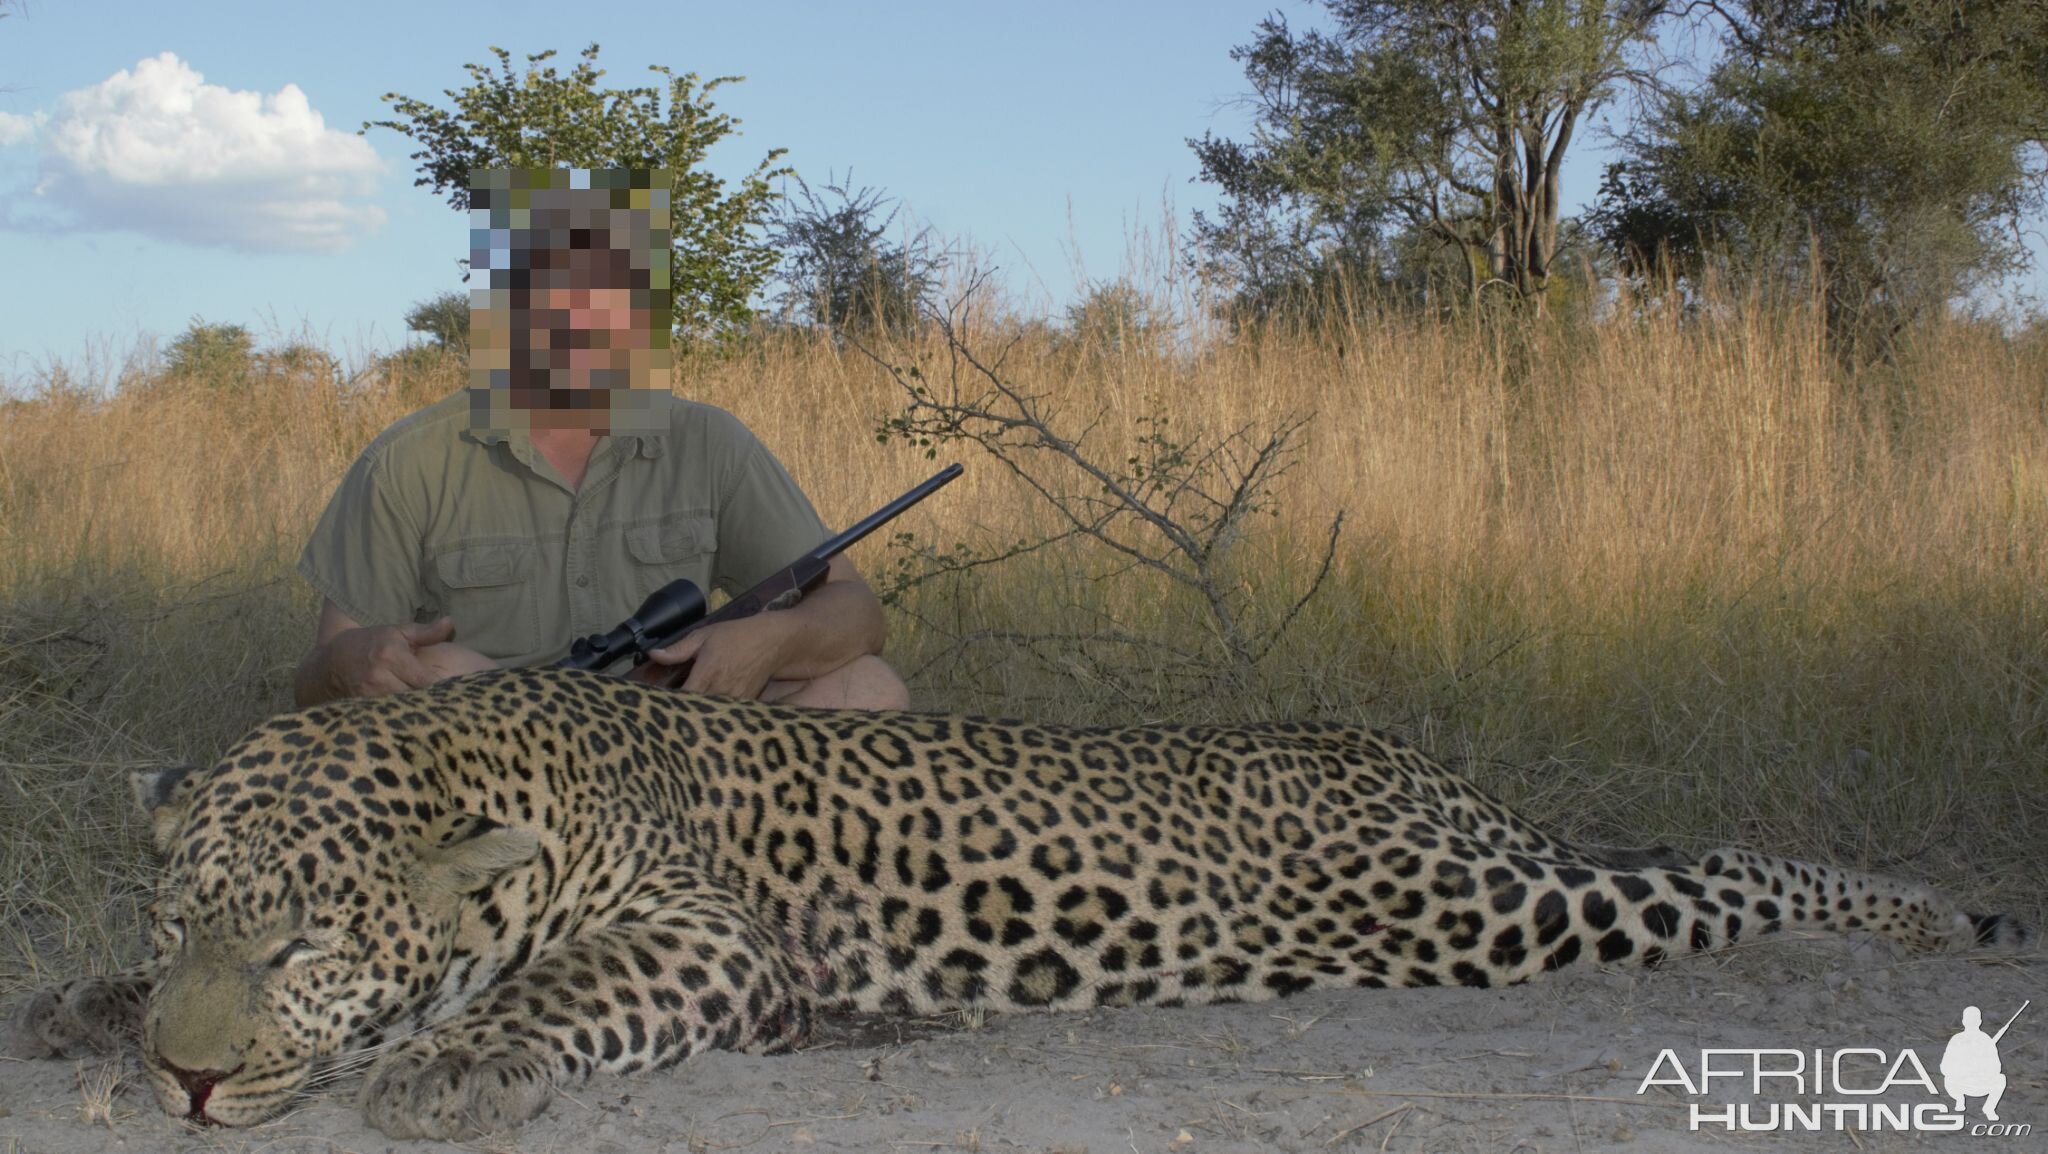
(1555, 1065)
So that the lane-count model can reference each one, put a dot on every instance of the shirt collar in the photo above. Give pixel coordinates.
(649, 443)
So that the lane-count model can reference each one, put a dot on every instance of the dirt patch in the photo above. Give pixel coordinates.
(1552, 1066)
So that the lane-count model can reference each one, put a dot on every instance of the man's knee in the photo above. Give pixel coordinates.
(866, 682)
(879, 685)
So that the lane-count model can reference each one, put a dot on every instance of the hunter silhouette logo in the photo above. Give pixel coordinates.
(1970, 1067)
(1847, 1088)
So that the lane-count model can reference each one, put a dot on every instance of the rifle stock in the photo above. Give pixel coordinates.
(676, 610)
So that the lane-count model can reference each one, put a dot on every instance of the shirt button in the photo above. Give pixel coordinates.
(583, 582)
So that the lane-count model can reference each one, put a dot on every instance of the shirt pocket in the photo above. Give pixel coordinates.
(490, 592)
(676, 546)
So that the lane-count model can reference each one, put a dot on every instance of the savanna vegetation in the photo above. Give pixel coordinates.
(1651, 575)
(1712, 516)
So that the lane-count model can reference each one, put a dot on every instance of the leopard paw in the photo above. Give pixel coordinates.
(72, 1019)
(455, 1093)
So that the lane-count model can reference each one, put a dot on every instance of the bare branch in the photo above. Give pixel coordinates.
(1176, 507)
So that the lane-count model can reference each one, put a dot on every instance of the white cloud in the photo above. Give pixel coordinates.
(15, 129)
(160, 152)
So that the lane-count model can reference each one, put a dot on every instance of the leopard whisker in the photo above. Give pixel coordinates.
(342, 1066)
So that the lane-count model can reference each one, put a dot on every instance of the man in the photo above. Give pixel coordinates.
(1970, 1067)
(549, 498)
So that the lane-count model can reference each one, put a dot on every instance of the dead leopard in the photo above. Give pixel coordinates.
(512, 880)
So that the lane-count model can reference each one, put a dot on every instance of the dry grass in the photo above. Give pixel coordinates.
(1665, 578)
(99, 1089)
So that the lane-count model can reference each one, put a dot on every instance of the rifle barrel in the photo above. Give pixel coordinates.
(886, 513)
(2009, 1021)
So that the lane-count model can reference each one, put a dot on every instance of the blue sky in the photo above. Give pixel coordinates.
(1045, 133)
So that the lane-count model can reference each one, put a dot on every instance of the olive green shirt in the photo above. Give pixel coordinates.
(436, 518)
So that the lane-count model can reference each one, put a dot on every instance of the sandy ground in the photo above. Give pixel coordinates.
(1551, 1066)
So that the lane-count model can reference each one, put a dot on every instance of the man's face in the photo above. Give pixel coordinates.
(556, 341)
(586, 330)
(580, 339)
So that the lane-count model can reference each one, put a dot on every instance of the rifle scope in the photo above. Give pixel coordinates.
(664, 614)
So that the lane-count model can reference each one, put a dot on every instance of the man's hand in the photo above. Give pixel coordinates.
(733, 658)
(353, 660)
(838, 622)
(448, 659)
(381, 659)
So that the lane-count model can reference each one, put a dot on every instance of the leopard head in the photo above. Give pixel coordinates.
(307, 908)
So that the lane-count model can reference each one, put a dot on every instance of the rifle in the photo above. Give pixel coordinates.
(676, 610)
(2009, 1021)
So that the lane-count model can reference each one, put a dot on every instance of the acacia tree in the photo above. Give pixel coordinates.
(839, 266)
(549, 120)
(221, 353)
(1114, 316)
(1891, 150)
(1447, 119)
(444, 318)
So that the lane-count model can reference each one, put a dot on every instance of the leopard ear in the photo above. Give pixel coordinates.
(164, 795)
(480, 852)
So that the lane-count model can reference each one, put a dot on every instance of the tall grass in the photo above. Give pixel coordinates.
(1658, 576)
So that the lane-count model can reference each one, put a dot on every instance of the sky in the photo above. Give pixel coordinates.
(165, 162)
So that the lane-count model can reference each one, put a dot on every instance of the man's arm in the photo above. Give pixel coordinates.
(835, 624)
(351, 660)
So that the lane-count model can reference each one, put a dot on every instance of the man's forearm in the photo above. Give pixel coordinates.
(313, 681)
(838, 622)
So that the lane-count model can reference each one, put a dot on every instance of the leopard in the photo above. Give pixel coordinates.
(467, 897)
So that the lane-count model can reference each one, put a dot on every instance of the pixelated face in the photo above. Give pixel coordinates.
(592, 328)
(578, 310)
(580, 326)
